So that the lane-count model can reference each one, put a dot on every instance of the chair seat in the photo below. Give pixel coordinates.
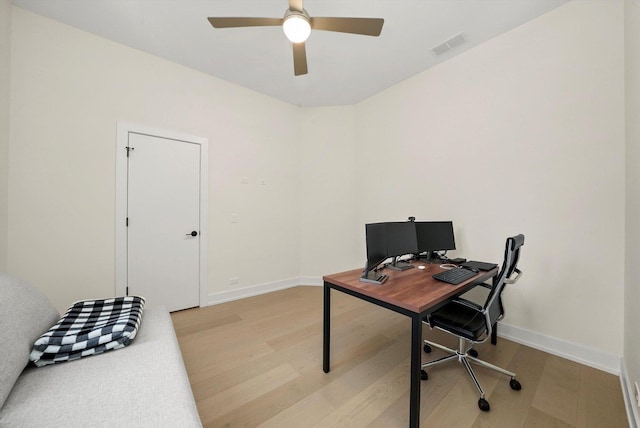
(460, 320)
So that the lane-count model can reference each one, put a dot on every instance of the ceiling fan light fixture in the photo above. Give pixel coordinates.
(296, 26)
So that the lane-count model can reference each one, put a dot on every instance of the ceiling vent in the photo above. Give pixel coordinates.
(454, 41)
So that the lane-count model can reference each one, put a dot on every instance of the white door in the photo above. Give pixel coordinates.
(163, 221)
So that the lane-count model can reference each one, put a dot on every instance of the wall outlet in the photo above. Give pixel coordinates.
(234, 281)
(244, 180)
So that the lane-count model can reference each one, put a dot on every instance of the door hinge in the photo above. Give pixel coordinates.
(127, 222)
(127, 290)
(129, 149)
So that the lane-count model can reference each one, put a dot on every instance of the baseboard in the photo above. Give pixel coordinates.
(311, 280)
(572, 351)
(255, 290)
(629, 396)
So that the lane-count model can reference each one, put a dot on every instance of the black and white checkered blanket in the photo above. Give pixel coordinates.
(89, 327)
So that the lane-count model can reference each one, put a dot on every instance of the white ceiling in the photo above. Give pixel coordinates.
(343, 68)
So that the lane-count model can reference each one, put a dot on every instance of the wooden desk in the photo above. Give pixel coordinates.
(413, 293)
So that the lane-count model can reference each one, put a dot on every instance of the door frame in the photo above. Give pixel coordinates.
(122, 140)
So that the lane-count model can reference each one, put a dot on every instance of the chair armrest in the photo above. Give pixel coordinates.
(514, 280)
(467, 303)
(485, 285)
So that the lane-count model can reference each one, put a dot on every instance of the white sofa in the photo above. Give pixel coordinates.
(142, 385)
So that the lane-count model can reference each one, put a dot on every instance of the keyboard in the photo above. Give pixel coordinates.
(455, 276)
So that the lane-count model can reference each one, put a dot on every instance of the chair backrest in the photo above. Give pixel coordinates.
(493, 306)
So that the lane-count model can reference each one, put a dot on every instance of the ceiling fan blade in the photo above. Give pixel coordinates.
(363, 26)
(295, 5)
(299, 59)
(244, 22)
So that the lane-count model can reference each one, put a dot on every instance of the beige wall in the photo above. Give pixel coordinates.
(632, 280)
(523, 134)
(328, 231)
(5, 51)
(69, 90)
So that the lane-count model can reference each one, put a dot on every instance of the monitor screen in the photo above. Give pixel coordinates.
(401, 238)
(435, 236)
(376, 244)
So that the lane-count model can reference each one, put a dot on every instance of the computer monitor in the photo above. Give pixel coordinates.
(376, 238)
(401, 240)
(435, 236)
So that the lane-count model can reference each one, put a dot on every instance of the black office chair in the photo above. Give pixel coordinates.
(473, 323)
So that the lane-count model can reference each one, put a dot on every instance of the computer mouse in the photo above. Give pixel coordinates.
(421, 267)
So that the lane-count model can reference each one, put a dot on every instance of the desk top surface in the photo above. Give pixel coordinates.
(413, 289)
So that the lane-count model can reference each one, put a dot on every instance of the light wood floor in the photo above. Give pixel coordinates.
(258, 362)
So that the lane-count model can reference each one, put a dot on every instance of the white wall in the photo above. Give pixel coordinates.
(523, 134)
(5, 51)
(329, 234)
(68, 90)
(632, 279)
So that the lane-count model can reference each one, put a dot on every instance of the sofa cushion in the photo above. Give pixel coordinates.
(25, 313)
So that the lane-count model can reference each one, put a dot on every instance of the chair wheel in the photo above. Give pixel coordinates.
(515, 385)
(427, 348)
(473, 353)
(423, 375)
(484, 405)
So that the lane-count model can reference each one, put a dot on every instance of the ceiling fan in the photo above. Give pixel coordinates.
(297, 25)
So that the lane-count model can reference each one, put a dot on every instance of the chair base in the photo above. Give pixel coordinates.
(465, 357)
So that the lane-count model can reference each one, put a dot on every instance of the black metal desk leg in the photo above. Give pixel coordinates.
(326, 341)
(416, 359)
(494, 334)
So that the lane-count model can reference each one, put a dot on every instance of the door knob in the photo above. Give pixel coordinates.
(194, 233)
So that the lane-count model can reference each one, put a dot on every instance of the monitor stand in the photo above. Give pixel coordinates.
(398, 265)
(373, 277)
(430, 257)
